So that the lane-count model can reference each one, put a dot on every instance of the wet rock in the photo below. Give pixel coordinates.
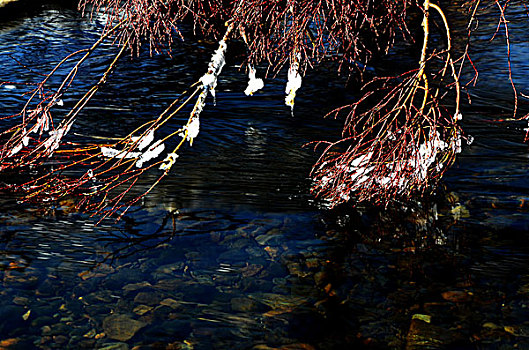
(148, 298)
(456, 296)
(29, 279)
(320, 278)
(6, 343)
(136, 286)
(161, 312)
(269, 238)
(233, 255)
(253, 284)
(90, 334)
(121, 327)
(167, 331)
(60, 339)
(169, 284)
(46, 330)
(297, 346)
(58, 329)
(422, 317)
(86, 344)
(142, 309)
(11, 318)
(173, 304)
(278, 301)
(103, 296)
(85, 287)
(295, 269)
(98, 309)
(243, 304)
(491, 325)
(255, 252)
(21, 301)
(40, 321)
(126, 275)
(114, 346)
(170, 269)
(312, 263)
(49, 287)
(251, 270)
(518, 330)
(200, 293)
(422, 335)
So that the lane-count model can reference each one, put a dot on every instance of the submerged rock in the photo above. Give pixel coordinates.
(423, 335)
(114, 346)
(121, 327)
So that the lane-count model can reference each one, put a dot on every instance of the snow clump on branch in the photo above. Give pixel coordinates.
(293, 84)
(218, 60)
(254, 84)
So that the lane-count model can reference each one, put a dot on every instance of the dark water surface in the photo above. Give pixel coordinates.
(231, 252)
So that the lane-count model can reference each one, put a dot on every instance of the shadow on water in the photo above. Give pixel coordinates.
(230, 252)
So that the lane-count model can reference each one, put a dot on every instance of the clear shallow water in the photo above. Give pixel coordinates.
(230, 252)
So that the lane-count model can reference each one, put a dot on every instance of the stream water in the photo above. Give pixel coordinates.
(232, 252)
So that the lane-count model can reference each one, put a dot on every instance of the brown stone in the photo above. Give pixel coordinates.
(121, 327)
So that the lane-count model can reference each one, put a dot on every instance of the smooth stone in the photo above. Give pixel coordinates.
(60, 329)
(320, 278)
(136, 286)
(173, 304)
(121, 327)
(98, 297)
(251, 270)
(60, 339)
(243, 304)
(169, 284)
(422, 335)
(233, 255)
(147, 298)
(114, 346)
(169, 330)
(48, 287)
(491, 325)
(456, 296)
(86, 344)
(41, 321)
(267, 239)
(422, 317)
(21, 301)
(11, 318)
(46, 330)
(518, 330)
(97, 309)
(170, 268)
(142, 309)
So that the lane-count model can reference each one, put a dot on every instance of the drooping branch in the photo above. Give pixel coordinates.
(398, 139)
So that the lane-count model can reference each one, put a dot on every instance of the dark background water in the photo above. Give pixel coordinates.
(232, 252)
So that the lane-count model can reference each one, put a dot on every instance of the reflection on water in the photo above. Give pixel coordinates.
(229, 252)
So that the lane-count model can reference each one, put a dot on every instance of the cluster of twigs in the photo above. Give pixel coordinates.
(398, 137)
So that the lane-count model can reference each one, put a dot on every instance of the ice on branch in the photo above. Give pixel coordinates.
(152, 152)
(110, 152)
(42, 124)
(15, 149)
(209, 80)
(293, 84)
(143, 141)
(55, 138)
(168, 162)
(400, 175)
(192, 128)
(254, 84)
